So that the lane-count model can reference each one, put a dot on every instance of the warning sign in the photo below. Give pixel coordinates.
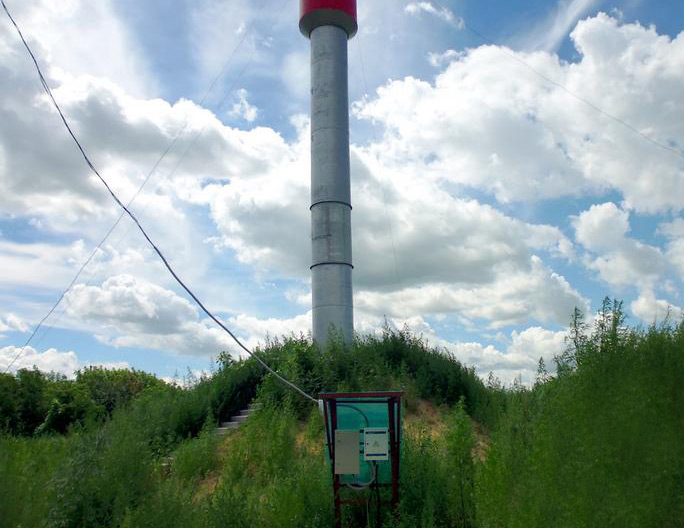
(376, 444)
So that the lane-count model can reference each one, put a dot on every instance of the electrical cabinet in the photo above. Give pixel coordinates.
(376, 444)
(347, 445)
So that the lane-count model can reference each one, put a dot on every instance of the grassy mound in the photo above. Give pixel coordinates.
(600, 444)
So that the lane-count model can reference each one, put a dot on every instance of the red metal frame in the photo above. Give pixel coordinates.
(392, 398)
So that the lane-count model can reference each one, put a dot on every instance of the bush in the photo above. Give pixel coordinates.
(27, 467)
(273, 476)
(598, 445)
(195, 458)
(601, 444)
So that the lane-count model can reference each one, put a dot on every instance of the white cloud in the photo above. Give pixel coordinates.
(130, 301)
(622, 261)
(514, 297)
(75, 35)
(258, 331)
(440, 12)
(439, 60)
(50, 360)
(674, 231)
(489, 123)
(521, 357)
(126, 311)
(256, 187)
(602, 227)
(618, 259)
(42, 174)
(11, 322)
(242, 109)
(39, 265)
(651, 310)
(485, 123)
(536, 342)
(518, 358)
(439, 241)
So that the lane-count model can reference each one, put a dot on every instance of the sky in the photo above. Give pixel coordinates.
(510, 161)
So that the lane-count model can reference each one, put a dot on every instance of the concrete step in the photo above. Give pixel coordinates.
(239, 419)
(167, 465)
(229, 426)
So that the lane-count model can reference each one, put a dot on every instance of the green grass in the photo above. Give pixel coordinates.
(598, 445)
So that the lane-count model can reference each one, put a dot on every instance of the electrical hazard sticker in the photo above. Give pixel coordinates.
(376, 444)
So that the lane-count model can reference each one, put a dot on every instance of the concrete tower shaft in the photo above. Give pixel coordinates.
(329, 24)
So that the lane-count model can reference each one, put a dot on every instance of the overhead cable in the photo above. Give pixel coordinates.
(182, 158)
(137, 223)
(137, 193)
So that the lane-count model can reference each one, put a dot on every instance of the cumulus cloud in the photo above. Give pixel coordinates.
(50, 360)
(537, 342)
(126, 311)
(674, 232)
(440, 242)
(652, 310)
(41, 173)
(485, 123)
(623, 262)
(490, 123)
(256, 188)
(513, 298)
(258, 331)
(618, 259)
(517, 358)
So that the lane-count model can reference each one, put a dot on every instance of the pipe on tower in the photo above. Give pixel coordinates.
(329, 24)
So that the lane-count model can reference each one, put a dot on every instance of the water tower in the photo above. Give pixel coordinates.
(329, 24)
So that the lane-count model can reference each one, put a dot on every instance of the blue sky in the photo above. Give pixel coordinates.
(488, 202)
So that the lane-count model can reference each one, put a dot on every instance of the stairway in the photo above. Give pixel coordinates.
(239, 419)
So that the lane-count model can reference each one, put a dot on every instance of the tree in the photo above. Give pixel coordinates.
(33, 404)
(113, 388)
(9, 404)
(575, 344)
(542, 374)
(460, 443)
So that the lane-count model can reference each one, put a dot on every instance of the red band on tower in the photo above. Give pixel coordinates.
(348, 6)
(315, 13)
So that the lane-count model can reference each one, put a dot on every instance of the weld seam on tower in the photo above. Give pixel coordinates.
(330, 201)
(332, 262)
